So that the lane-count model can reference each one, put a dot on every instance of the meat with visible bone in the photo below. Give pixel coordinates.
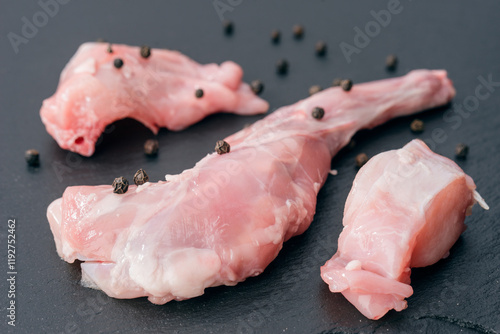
(158, 91)
(226, 218)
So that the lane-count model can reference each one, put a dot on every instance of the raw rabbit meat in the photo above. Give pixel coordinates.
(158, 91)
(226, 218)
(406, 209)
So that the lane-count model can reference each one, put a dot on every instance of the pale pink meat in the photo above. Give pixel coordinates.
(158, 91)
(226, 218)
(406, 209)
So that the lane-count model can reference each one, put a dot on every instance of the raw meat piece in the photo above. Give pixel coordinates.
(226, 218)
(158, 91)
(406, 209)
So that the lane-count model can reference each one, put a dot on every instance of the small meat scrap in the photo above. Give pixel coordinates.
(406, 209)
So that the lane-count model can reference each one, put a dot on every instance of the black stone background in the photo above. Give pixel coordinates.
(458, 294)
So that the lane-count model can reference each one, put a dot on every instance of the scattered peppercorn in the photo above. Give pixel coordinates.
(228, 27)
(140, 177)
(336, 82)
(417, 126)
(391, 62)
(222, 147)
(32, 157)
(198, 93)
(118, 63)
(145, 51)
(461, 151)
(275, 36)
(257, 86)
(346, 85)
(120, 185)
(320, 48)
(100, 40)
(282, 66)
(361, 159)
(298, 31)
(109, 49)
(151, 147)
(314, 89)
(318, 112)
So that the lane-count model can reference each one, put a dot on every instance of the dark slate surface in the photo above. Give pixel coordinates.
(459, 294)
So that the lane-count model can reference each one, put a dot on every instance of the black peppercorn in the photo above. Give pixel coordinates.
(314, 89)
(222, 147)
(391, 62)
(145, 51)
(346, 85)
(140, 177)
(32, 157)
(257, 86)
(151, 147)
(198, 93)
(336, 82)
(109, 49)
(318, 113)
(298, 31)
(118, 63)
(282, 66)
(275, 36)
(320, 48)
(351, 145)
(361, 159)
(228, 27)
(417, 126)
(120, 185)
(461, 151)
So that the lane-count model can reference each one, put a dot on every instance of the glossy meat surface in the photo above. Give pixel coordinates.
(406, 209)
(226, 218)
(158, 91)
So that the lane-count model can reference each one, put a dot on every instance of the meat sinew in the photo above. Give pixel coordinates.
(159, 91)
(406, 209)
(226, 218)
